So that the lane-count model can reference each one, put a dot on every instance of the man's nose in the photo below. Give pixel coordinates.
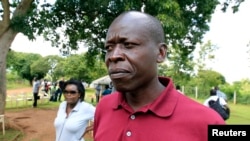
(117, 54)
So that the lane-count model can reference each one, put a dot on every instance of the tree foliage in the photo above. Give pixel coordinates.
(27, 65)
(205, 54)
(53, 61)
(234, 4)
(75, 66)
(210, 78)
(204, 81)
(184, 22)
(70, 23)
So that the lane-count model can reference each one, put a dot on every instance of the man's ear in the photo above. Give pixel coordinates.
(162, 53)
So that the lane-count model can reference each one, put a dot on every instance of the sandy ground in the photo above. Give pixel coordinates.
(35, 123)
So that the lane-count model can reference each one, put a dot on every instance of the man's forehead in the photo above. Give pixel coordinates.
(130, 16)
(128, 22)
(120, 35)
(125, 31)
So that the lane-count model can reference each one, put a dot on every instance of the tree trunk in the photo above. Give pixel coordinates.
(5, 42)
(7, 35)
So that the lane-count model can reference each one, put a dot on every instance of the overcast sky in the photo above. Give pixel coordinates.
(230, 32)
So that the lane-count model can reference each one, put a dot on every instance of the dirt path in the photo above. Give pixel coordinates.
(36, 124)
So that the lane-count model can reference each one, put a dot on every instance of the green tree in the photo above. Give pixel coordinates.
(11, 59)
(76, 66)
(205, 54)
(244, 86)
(53, 61)
(39, 68)
(205, 80)
(210, 78)
(27, 65)
(185, 21)
(180, 68)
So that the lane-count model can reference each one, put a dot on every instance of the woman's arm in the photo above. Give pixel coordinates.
(89, 128)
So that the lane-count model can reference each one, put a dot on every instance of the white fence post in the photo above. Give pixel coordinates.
(234, 97)
(3, 124)
(196, 92)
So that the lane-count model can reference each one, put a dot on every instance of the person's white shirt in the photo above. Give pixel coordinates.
(215, 97)
(71, 128)
(221, 94)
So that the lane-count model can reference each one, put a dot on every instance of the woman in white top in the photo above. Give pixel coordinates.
(73, 114)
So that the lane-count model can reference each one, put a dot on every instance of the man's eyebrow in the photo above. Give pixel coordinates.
(116, 39)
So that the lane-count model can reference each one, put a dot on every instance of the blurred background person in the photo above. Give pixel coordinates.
(219, 93)
(107, 90)
(36, 86)
(97, 92)
(213, 98)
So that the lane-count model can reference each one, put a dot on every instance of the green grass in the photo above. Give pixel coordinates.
(240, 114)
(11, 135)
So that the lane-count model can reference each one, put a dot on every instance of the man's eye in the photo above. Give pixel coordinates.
(108, 47)
(127, 44)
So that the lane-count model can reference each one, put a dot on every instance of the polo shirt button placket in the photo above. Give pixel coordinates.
(129, 133)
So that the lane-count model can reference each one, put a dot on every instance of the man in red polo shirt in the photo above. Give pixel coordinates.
(145, 107)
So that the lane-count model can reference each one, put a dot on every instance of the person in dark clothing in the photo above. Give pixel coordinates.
(36, 86)
(106, 91)
(97, 92)
(209, 102)
(60, 88)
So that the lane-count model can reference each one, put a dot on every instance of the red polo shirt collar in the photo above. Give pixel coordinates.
(163, 106)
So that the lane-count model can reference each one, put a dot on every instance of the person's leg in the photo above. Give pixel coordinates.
(56, 95)
(35, 99)
(60, 95)
(52, 96)
(97, 98)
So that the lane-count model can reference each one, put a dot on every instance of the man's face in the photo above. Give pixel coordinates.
(131, 56)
